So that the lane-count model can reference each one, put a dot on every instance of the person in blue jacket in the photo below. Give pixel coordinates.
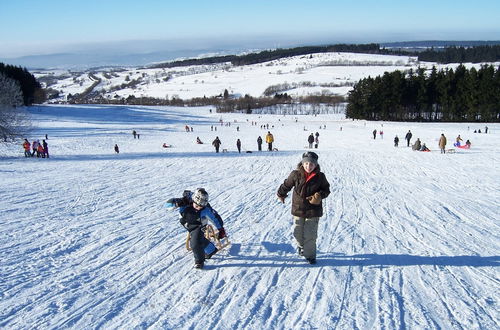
(195, 212)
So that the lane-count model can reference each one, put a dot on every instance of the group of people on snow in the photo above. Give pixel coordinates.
(269, 140)
(310, 187)
(419, 146)
(313, 139)
(41, 150)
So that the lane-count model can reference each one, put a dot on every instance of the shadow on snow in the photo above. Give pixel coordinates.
(281, 259)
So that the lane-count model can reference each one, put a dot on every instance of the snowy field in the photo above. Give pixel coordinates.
(408, 239)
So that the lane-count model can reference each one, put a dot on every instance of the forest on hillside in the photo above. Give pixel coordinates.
(446, 95)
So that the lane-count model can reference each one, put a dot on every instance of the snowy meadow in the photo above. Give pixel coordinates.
(408, 240)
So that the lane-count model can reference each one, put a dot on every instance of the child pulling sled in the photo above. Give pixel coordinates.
(195, 212)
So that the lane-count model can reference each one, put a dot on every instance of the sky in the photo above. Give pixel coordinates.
(32, 27)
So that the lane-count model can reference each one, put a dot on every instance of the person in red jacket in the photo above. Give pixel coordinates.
(26, 146)
(310, 187)
(39, 151)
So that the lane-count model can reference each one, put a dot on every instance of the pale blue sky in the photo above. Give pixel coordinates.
(42, 26)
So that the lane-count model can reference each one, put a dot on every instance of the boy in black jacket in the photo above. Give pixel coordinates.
(195, 212)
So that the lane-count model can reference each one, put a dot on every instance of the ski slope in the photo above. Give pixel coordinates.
(408, 239)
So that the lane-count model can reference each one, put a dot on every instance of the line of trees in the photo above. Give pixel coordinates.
(478, 54)
(446, 95)
(451, 54)
(270, 55)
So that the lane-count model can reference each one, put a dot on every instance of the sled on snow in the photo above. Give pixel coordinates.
(212, 236)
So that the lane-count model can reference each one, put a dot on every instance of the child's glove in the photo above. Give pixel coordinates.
(171, 204)
(222, 233)
(281, 199)
(315, 199)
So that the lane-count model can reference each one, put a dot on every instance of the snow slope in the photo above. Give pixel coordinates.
(408, 240)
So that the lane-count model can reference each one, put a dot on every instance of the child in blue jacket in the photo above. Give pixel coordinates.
(195, 212)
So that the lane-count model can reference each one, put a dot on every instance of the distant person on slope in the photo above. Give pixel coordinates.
(216, 143)
(442, 143)
(310, 187)
(408, 138)
(45, 148)
(269, 141)
(396, 141)
(310, 140)
(417, 145)
(238, 145)
(195, 212)
(259, 143)
(27, 148)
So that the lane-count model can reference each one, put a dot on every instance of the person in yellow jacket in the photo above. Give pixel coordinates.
(269, 141)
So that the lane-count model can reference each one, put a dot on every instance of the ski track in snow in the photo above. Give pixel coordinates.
(408, 239)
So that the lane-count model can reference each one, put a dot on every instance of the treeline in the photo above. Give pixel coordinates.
(222, 103)
(30, 87)
(269, 55)
(478, 54)
(446, 95)
(452, 54)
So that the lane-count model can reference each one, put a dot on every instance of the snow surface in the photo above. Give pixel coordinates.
(408, 239)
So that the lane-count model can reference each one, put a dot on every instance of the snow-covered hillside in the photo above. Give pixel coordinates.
(408, 239)
(313, 74)
(316, 74)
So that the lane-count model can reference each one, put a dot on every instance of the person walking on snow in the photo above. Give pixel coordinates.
(374, 134)
(238, 145)
(442, 143)
(195, 212)
(396, 141)
(408, 138)
(216, 143)
(310, 187)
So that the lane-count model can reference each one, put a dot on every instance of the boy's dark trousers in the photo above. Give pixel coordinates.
(198, 243)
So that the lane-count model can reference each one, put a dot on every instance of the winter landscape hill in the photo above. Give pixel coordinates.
(408, 239)
(314, 74)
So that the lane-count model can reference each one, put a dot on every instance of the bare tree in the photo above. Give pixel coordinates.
(14, 121)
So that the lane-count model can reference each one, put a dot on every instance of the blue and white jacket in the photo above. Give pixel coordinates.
(192, 218)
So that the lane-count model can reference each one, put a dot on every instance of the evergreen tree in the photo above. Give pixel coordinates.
(13, 120)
